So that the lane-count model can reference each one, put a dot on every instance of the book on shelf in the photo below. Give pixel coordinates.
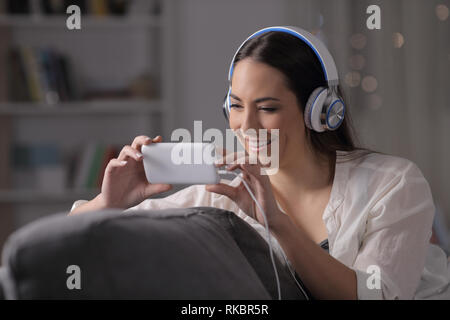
(32, 74)
(5, 37)
(92, 164)
(17, 90)
(38, 166)
(59, 7)
(42, 75)
(39, 75)
(5, 141)
(44, 166)
(17, 6)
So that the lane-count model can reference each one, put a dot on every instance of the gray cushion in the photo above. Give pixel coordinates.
(192, 253)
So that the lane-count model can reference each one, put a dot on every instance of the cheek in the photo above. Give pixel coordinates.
(233, 123)
(234, 120)
(292, 133)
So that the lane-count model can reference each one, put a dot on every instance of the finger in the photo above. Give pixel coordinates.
(252, 169)
(113, 164)
(157, 139)
(230, 157)
(152, 189)
(251, 173)
(139, 141)
(220, 154)
(129, 152)
(238, 162)
(224, 189)
(248, 179)
(233, 167)
(251, 163)
(245, 176)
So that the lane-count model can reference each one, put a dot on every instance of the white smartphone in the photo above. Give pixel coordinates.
(180, 163)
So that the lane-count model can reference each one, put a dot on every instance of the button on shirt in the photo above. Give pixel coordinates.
(379, 222)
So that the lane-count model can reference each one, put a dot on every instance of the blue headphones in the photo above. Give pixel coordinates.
(325, 109)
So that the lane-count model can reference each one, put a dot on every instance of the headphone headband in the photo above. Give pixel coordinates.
(325, 109)
(322, 53)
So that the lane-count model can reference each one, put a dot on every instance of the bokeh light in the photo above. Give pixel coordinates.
(321, 20)
(374, 101)
(442, 12)
(358, 41)
(398, 40)
(352, 79)
(369, 83)
(357, 61)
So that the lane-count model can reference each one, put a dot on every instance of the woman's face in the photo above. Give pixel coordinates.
(260, 99)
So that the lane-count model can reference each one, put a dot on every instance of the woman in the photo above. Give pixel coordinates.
(375, 211)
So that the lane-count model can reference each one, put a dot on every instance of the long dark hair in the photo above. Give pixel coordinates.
(303, 72)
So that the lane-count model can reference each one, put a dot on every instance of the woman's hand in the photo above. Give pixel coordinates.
(124, 183)
(258, 183)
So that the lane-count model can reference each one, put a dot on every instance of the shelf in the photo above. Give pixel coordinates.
(107, 22)
(111, 107)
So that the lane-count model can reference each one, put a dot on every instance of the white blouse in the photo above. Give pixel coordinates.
(379, 221)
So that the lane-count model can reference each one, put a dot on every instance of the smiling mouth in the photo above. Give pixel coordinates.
(255, 145)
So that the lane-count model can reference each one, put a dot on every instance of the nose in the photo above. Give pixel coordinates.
(249, 120)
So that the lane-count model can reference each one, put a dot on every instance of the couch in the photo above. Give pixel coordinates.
(189, 253)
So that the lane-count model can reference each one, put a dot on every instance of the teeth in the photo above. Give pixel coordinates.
(258, 144)
(254, 144)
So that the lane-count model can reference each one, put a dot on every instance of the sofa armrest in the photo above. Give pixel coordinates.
(192, 253)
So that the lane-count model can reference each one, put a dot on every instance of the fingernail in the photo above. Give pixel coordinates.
(139, 155)
(123, 163)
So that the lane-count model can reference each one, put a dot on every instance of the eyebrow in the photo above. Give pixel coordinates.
(256, 100)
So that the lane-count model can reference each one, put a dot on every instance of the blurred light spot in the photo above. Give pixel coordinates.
(357, 61)
(374, 101)
(398, 40)
(352, 79)
(358, 41)
(369, 84)
(442, 12)
(321, 20)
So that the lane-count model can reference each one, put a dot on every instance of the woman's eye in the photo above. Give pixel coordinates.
(268, 109)
(235, 106)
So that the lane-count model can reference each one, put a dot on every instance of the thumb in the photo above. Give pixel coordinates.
(152, 189)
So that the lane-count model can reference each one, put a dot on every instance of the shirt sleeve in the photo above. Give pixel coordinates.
(192, 196)
(392, 255)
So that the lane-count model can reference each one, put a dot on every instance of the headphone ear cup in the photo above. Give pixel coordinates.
(313, 109)
(335, 113)
(225, 107)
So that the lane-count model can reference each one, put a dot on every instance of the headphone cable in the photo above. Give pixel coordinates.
(240, 176)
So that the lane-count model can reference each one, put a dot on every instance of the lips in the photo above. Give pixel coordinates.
(256, 145)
